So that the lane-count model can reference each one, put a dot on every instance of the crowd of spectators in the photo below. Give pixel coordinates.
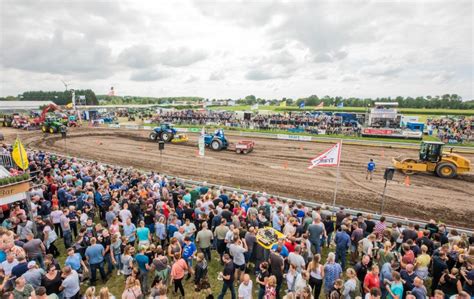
(451, 130)
(316, 123)
(158, 234)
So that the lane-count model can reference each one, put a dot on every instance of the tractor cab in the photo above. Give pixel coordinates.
(431, 151)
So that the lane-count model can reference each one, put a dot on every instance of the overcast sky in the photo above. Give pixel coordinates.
(221, 49)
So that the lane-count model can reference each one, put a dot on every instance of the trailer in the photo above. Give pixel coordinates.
(244, 147)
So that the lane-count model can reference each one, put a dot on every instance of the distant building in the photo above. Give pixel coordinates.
(21, 106)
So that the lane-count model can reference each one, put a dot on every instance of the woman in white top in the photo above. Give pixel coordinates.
(316, 275)
(56, 219)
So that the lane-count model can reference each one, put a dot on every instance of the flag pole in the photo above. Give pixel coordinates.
(337, 174)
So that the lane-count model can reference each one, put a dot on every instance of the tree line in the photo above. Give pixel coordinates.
(447, 101)
(58, 97)
(116, 100)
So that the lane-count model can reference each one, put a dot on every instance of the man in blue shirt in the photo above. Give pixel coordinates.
(343, 242)
(129, 230)
(189, 250)
(143, 266)
(370, 169)
(95, 257)
(74, 260)
(277, 220)
(284, 250)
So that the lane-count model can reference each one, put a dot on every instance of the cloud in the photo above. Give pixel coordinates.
(59, 54)
(191, 79)
(348, 78)
(149, 75)
(139, 56)
(330, 56)
(442, 77)
(217, 76)
(291, 44)
(258, 74)
(382, 70)
(182, 56)
(143, 56)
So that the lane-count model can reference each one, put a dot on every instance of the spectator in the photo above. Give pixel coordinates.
(132, 289)
(227, 277)
(95, 257)
(245, 288)
(70, 286)
(332, 272)
(177, 273)
(22, 289)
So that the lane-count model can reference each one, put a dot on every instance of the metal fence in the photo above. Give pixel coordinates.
(6, 160)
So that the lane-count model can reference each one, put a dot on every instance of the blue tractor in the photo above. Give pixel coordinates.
(164, 132)
(216, 141)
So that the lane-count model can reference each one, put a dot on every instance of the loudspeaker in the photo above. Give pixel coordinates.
(161, 145)
(388, 175)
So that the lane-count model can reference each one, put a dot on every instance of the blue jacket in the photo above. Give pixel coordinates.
(343, 241)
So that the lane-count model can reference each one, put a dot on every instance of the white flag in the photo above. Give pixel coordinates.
(254, 107)
(201, 142)
(331, 157)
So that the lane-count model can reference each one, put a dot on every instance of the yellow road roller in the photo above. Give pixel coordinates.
(433, 159)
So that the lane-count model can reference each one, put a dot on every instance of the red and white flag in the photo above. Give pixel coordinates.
(329, 158)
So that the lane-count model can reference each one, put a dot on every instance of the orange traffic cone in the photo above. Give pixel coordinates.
(285, 165)
(382, 154)
(407, 181)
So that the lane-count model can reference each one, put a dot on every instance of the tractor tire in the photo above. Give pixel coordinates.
(166, 137)
(216, 145)
(44, 129)
(153, 136)
(406, 171)
(446, 170)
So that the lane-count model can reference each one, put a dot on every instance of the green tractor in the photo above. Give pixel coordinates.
(52, 125)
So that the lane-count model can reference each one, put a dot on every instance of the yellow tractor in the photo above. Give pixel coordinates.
(432, 159)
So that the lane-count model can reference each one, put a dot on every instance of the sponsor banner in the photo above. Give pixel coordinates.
(195, 130)
(147, 128)
(114, 126)
(14, 189)
(409, 119)
(132, 127)
(412, 133)
(304, 138)
(369, 131)
(293, 137)
(182, 130)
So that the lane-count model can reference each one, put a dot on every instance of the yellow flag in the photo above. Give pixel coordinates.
(19, 155)
(69, 106)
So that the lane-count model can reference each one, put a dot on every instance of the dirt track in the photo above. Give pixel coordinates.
(279, 167)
